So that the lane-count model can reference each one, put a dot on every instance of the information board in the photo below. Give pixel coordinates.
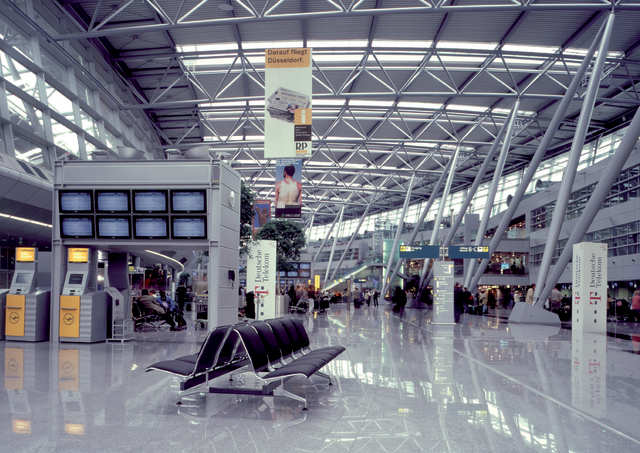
(75, 201)
(261, 277)
(189, 227)
(419, 251)
(25, 254)
(112, 227)
(589, 289)
(150, 201)
(151, 227)
(468, 251)
(188, 201)
(443, 292)
(78, 227)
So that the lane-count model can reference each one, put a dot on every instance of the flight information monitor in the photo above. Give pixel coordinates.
(189, 201)
(112, 201)
(151, 227)
(189, 227)
(78, 227)
(75, 201)
(113, 227)
(150, 201)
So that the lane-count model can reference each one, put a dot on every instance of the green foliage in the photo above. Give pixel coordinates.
(247, 197)
(290, 238)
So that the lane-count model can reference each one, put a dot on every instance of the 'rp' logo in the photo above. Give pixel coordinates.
(301, 146)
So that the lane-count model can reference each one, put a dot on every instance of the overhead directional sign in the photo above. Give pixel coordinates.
(468, 251)
(419, 251)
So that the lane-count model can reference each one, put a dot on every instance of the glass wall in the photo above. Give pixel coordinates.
(550, 170)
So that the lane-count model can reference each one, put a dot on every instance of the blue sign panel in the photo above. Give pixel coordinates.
(468, 251)
(419, 251)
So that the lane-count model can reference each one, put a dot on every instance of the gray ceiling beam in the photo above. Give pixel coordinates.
(438, 9)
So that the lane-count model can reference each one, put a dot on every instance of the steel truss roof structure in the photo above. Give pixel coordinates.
(398, 84)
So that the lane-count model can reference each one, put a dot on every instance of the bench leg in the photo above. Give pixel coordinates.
(280, 391)
(324, 375)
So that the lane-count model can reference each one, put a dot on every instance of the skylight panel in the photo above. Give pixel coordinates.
(319, 43)
(401, 43)
(270, 44)
(529, 49)
(466, 45)
(209, 47)
(420, 105)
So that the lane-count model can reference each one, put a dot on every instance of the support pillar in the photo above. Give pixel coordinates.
(396, 239)
(557, 219)
(333, 246)
(557, 118)
(436, 224)
(326, 238)
(423, 214)
(595, 202)
(493, 188)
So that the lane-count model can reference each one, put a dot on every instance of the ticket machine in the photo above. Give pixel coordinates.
(27, 307)
(83, 310)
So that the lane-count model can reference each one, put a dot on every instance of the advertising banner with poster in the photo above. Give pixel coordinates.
(261, 277)
(288, 188)
(261, 214)
(287, 116)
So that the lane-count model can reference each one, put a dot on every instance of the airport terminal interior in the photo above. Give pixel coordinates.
(320, 225)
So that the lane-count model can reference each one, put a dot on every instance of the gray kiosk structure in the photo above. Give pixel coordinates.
(144, 208)
(27, 301)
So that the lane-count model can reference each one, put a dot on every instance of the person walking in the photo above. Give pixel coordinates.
(376, 296)
(530, 292)
(635, 305)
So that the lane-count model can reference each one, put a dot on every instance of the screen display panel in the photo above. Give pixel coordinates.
(150, 201)
(189, 201)
(23, 278)
(76, 226)
(78, 255)
(112, 201)
(25, 254)
(151, 227)
(113, 227)
(75, 201)
(194, 227)
(75, 279)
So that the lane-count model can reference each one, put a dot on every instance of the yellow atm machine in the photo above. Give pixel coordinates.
(26, 306)
(83, 310)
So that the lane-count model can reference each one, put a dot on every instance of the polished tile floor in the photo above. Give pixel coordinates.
(403, 385)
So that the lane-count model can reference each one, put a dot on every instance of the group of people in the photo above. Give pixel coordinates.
(164, 307)
(368, 296)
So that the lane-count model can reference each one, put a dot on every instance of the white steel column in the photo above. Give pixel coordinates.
(423, 214)
(443, 201)
(557, 118)
(326, 238)
(574, 158)
(396, 239)
(353, 236)
(333, 246)
(595, 201)
(493, 188)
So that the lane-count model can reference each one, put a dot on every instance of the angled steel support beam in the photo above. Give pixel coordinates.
(333, 246)
(595, 201)
(574, 158)
(493, 188)
(396, 239)
(351, 239)
(436, 224)
(423, 214)
(326, 238)
(544, 144)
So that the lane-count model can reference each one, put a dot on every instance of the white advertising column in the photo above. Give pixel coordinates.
(443, 292)
(589, 304)
(261, 277)
(589, 328)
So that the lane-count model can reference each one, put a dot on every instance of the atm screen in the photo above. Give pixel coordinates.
(76, 227)
(113, 227)
(188, 201)
(75, 279)
(112, 201)
(189, 227)
(22, 278)
(76, 201)
(151, 227)
(150, 201)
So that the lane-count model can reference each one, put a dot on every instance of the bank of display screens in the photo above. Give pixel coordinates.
(116, 227)
(75, 201)
(156, 227)
(112, 201)
(300, 270)
(189, 227)
(78, 227)
(189, 201)
(124, 214)
(150, 201)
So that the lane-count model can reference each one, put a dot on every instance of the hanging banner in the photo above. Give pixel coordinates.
(288, 188)
(261, 214)
(261, 277)
(287, 116)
